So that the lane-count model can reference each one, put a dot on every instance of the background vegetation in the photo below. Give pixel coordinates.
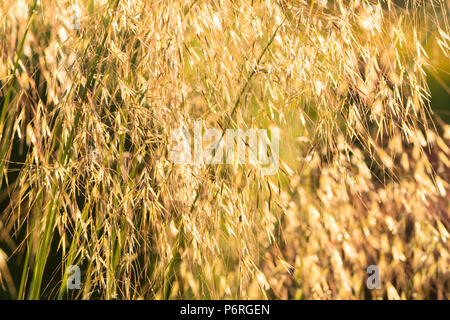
(91, 91)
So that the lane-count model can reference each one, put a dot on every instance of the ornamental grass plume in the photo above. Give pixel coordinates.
(91, 92)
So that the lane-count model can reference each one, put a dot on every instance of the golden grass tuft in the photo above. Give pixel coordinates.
(86, 125)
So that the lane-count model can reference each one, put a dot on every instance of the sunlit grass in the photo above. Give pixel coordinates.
(89, 111)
